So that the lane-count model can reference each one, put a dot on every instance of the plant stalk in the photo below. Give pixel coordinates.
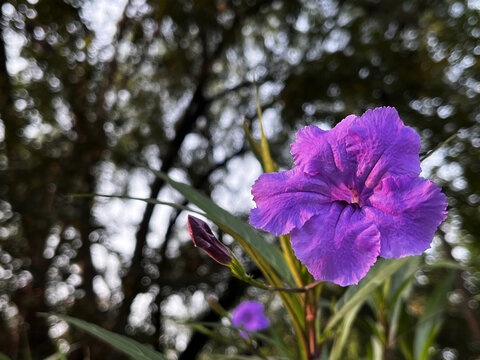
(310, 314)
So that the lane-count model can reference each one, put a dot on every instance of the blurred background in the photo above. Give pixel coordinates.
(91, 90)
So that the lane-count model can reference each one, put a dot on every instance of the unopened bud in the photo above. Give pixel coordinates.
(204, 239)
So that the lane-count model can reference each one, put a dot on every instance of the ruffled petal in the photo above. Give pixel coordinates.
(339, 244)
(382, 145)
(407, 212)
(305, 148)
(286, 200)
(318, 151)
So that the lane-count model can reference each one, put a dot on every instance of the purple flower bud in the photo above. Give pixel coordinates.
(250, 316)
(203, 238)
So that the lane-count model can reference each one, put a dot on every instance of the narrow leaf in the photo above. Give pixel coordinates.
(268, 164)
(120, 342)
(342, 337)
(447, 264)
(357, 294)
(439, 146)
(242, 357)
(262, 152)
(401, 280)
(227, 221)
(147, 200)
(254, 145)
(432, 318)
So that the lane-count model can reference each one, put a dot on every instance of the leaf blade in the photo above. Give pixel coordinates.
(356, 295)
(222, 217)
(431, 320)
(122, 343)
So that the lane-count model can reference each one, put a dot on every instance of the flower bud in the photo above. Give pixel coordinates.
(203, 238)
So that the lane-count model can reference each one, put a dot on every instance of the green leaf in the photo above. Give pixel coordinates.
(243, 357)
(205, 331)
(252, 334)
(262, 152)
(204, 328)
(254, 145)
(431, 320)
(57, 356)
(4, 357)
(253, 236)
(324, 354)
(266, 255)
(446, 264)
(439, 146)
(357, 294)
(147, 200)
(227, 221)
(342, 337)
(268, 164)
(401, 280)
(120, 342)
(399, 292)
(406, 350)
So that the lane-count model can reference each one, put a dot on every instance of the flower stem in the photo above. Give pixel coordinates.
(290, 302)
(310, 315)
(261, 285)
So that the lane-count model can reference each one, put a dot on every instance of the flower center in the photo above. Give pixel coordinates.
(355, 199)
(248, 317)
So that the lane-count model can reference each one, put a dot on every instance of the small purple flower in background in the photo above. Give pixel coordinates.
(250, 316)
(355, 194)
(203, 238)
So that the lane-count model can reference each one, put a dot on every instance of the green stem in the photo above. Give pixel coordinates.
(449, 139)
(289, 305)
(293, 310)
(290, 259)
(261, 285)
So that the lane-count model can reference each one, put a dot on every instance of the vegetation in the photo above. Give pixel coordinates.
(92, 93)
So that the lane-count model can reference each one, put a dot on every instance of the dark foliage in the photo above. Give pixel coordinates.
(80, 109)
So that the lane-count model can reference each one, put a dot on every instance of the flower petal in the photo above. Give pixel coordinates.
(382, 144)
(286, 200)
(340, 244)
(305, 148)
(318, 151)
(250, 315)
(407, 212)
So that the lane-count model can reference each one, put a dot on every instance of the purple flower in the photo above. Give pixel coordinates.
(250, 316)
(203, 238)
(354, 195)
